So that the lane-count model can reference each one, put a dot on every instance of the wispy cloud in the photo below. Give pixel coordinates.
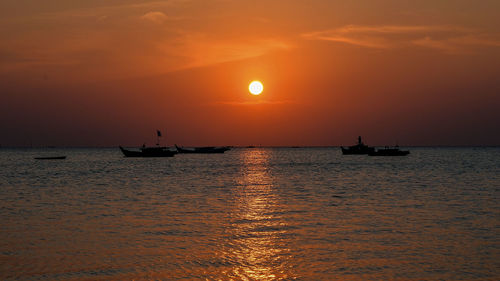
(365, 41)
(247, 103)
(96, 11)
(201, 50)
(169, 38)
(447, 38)
(401, 29)
(155, 17)
(456, 44)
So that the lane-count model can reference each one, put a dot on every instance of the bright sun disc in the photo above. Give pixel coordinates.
(256, 88)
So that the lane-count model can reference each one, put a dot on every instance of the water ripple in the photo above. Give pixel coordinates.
(251, 214)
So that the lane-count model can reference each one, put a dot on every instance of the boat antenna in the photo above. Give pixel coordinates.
(158, 136)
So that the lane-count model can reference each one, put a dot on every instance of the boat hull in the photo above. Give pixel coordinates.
(51, 158)
(157, 152)
(202, 150)
(389, 152)
(356, 150)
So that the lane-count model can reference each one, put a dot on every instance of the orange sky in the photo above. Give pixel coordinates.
(103, 73)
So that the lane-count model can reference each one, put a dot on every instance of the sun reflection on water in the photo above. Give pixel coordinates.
(259, 249)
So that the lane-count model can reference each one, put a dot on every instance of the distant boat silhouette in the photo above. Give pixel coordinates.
(204, 150)
(158, 151)
(358, 149)
(395, 151)
(51, 158)
(151, 151)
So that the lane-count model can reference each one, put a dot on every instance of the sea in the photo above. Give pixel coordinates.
(250, 214)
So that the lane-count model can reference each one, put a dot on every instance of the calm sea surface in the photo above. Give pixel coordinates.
(250, 214)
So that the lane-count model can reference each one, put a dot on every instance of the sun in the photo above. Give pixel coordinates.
(256, 88)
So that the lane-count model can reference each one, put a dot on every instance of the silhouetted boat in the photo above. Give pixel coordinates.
(205, 149)
(156, 151)
(51, 158)
(151, 151)
(357, 149)
(395, 151)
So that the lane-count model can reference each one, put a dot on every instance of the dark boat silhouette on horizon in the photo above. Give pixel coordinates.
(389, 151)
(359, 149)
(202, 150)
(150, 151)
(51, 158)
(154, 151)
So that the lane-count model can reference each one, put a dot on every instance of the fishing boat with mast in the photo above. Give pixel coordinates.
(358, 149)
(151, 151)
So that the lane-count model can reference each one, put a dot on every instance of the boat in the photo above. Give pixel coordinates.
(150, 151)
(359, 149)
(204, 149)
(51, 158)
(394, 151)
(154, 151)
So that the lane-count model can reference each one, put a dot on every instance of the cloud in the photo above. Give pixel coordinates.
(202, 50)
(245, 103)
(156, 17)
(442, 45)
(446, 38)
(456, 45)
(365, 41)
(401, 29)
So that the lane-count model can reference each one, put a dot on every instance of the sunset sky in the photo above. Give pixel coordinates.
(109, 72)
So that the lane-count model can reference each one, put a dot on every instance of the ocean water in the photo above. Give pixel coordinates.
(250, 214)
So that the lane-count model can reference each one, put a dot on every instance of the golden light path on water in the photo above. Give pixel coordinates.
(258, 249)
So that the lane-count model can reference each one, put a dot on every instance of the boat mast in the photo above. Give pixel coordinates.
(158, 136)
